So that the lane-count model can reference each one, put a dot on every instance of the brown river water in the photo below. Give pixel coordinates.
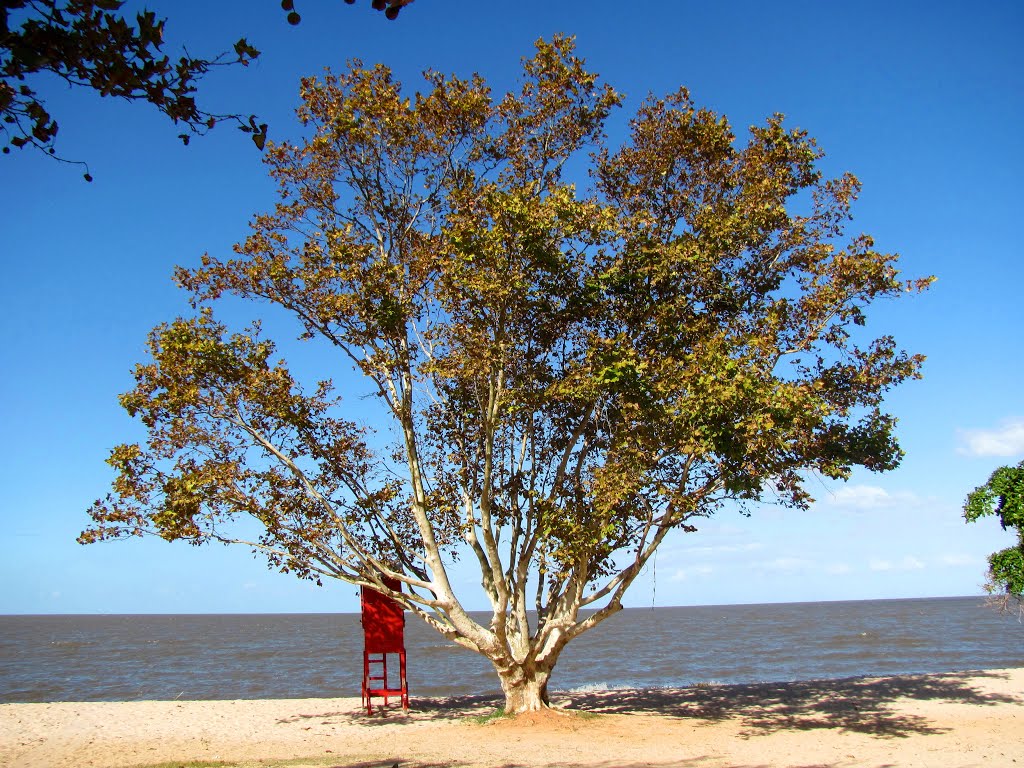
(245, 656)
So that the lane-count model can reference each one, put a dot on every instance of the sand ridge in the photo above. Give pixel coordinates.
(953, 719)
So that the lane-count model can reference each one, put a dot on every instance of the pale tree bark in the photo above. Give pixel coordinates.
(525, 687)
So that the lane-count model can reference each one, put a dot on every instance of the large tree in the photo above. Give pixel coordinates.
(569, 373)
(1003, 496)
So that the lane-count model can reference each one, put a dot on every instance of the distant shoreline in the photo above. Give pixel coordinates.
(950, 719)
(483, 611)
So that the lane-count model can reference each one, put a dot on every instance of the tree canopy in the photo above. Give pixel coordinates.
(567, 372)
(1003, 496)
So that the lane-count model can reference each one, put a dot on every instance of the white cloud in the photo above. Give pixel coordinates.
(1008, 440)
(682, 574)
(786, 564)
(838, 569)
(721, 549)
(871, 497)
(908, 563)
(961, 560)
(794, 565)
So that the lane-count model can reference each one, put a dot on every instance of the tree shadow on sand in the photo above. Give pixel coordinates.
(694, 762)
(857, 704)
(860, 704)
(421, 709)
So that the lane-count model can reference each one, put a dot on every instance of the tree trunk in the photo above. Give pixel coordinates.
(525, 687)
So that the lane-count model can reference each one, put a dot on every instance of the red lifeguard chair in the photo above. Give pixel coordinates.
(383, 633)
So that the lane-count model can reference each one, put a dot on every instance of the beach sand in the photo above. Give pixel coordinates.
(955, 719)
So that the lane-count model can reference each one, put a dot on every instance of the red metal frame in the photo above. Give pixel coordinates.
(383, 622)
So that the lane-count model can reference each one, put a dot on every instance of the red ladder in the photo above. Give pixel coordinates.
(375, 680)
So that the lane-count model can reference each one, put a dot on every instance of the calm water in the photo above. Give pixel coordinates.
(103, 658)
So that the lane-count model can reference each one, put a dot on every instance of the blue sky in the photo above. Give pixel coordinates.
(923, 101)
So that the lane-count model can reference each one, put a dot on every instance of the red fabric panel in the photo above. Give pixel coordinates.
(383, 620)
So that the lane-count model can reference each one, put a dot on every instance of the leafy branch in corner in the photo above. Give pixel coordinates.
(89, 43)
(390, 8)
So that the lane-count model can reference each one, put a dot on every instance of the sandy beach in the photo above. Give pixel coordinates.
(954, 719)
